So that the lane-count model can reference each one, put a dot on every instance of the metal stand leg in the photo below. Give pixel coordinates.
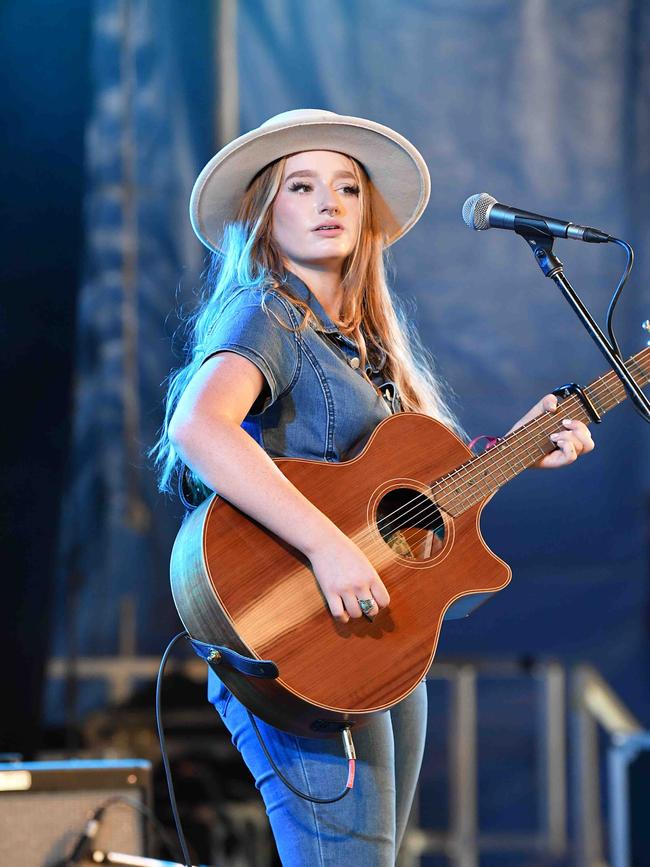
(463, 765)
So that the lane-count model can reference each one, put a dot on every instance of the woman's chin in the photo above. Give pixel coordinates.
(332, 260)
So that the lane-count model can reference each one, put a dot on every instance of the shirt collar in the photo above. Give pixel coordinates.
(299, 289)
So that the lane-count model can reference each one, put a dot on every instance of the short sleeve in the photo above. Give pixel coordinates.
(264, 333)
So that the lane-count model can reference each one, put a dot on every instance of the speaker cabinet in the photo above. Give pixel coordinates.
(44, 808)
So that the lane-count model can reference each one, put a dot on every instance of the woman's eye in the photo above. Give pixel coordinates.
(303, 186)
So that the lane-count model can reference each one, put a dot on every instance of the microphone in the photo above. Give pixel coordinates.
(482, 211)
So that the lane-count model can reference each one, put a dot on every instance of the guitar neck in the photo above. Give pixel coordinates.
(484, 474)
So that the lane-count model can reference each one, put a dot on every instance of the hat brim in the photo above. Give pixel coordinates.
(396, 168)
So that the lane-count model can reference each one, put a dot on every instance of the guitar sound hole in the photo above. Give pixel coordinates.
(411, 524)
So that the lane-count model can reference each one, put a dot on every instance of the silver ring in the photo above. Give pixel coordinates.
(366, 605)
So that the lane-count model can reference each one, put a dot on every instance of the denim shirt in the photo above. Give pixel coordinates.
(319, 405)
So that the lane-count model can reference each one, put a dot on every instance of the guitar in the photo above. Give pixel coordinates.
(237, 585)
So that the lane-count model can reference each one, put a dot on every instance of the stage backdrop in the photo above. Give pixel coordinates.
(542, 104)
(150, 129)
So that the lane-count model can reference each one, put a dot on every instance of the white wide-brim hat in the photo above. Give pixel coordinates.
(396, 168)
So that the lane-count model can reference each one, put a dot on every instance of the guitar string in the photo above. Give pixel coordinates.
(597, 389)
(465, 491)
(507, 449)
(511, 454)
(461, 498)
(607, 383)
(508, 454)
(528, 434)
(468, 493)
(473, 491)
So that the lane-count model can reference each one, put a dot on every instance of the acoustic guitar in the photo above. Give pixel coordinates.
(411, 500)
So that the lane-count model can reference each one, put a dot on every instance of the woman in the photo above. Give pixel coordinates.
(298, 351)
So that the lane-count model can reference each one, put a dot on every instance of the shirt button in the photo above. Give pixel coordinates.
(354, 362)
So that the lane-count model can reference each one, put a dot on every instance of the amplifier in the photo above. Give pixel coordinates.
(44, 808)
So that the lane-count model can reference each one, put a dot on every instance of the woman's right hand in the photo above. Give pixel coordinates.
(207, 435)
(345, 575)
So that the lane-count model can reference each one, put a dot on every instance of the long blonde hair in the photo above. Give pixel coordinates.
(250, 257)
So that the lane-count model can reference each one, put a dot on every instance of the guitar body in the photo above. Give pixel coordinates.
(236, 584)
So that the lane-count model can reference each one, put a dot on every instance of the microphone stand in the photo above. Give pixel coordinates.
(541, 243)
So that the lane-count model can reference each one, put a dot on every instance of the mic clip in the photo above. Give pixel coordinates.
(540, 241)
(573, 388)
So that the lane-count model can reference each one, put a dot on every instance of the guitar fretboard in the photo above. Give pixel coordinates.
(484, 474)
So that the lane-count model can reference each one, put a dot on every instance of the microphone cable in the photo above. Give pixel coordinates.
(617, 292)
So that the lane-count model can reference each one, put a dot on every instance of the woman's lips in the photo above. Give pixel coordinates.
(336, 230)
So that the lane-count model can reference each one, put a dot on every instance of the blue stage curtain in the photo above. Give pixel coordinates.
(542, 104)
(150, 131)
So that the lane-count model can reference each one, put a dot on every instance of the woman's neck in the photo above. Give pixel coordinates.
(324, 284)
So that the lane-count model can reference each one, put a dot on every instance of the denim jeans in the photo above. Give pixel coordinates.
(364, 829)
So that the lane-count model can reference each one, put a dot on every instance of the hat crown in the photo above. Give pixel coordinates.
(300, 115)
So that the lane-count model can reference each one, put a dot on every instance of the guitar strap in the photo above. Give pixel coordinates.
(216, 655)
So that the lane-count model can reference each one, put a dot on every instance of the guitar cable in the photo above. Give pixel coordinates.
(163, 751)
(350, 754)
(348, 746)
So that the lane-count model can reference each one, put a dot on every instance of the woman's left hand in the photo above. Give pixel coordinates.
(573, 437)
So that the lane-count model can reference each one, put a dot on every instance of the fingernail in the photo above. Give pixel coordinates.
(567, 421)
(554, 437)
